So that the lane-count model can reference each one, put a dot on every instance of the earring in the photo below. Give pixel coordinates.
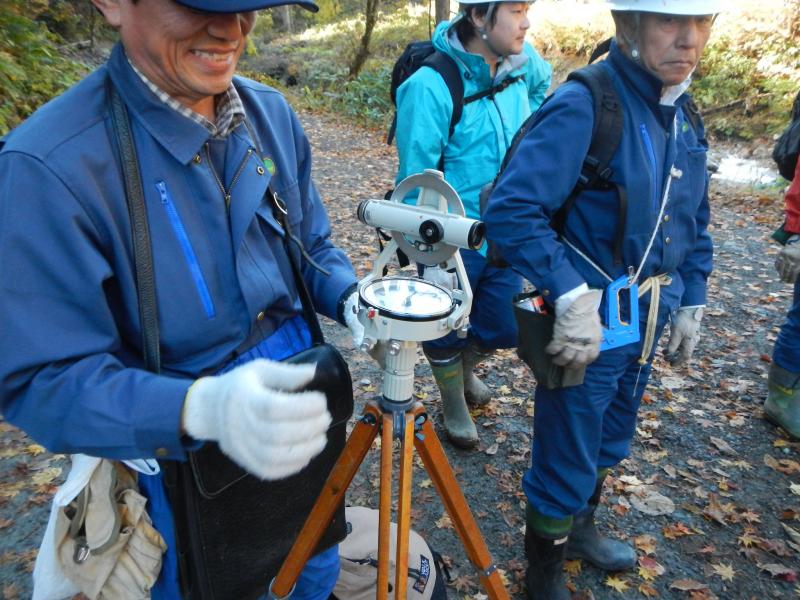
(635, 53)
(484, 36)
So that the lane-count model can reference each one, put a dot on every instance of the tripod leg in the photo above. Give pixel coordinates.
(404, 507)
(332, 493)
(444, 480)
(385, 508)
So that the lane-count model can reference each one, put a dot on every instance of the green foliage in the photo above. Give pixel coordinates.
(31, 67)
(731, 84)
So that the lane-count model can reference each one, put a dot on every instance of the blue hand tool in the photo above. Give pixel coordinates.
(619, 332)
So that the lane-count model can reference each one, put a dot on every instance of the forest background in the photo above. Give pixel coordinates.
(340, 58)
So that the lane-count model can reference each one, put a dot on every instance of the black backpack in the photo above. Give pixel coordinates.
(788, 145)
(423, 54)
(595, 171)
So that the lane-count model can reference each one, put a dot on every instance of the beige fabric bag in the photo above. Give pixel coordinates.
(106, 543)
(358, 558)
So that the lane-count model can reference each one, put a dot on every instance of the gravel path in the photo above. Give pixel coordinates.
(702, 442)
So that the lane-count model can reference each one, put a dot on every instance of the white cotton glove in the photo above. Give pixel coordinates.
(577, 332)
(351, 319)
(684, 333)
(378, 350)
(257, 420)
(436, 274)
(788, 262)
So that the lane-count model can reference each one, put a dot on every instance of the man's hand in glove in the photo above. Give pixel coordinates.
(351, 319)
(684, 332)
(577, 332)
(378, 350)
(259, 420)
(788, 262)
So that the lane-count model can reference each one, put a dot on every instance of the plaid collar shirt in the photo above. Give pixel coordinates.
(228, 104)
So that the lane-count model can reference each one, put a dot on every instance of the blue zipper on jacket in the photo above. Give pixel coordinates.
(651, 154)
(188, 251)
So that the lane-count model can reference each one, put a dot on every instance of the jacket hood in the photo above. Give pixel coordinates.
(446, 40)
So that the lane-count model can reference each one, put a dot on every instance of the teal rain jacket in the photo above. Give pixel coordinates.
(473, 155)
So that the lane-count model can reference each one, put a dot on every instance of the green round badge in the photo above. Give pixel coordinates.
(269, 165)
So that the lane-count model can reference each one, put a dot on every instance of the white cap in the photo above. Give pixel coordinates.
(670, 7)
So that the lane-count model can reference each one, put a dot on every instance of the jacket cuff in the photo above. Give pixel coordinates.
(157, 417)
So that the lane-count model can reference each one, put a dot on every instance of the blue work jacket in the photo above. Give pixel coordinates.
(70, 351)
(545, 168)
(472, 155)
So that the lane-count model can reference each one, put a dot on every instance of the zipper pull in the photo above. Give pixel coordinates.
(162, 191)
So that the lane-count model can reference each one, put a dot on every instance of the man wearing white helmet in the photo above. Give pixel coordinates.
(487, 42)
(655, 202)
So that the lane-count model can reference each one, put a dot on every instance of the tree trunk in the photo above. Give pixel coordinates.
(363, 50)
(282, 18)
(442, 10)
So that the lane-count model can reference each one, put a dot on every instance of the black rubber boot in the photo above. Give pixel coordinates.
(586, 543)
(544, 578)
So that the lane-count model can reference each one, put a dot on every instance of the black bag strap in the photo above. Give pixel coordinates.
(606, 135)
(448, 69)
(280, 210)
(140, 231)
(494, 90)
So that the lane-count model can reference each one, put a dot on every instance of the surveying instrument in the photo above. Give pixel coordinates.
(398, 312)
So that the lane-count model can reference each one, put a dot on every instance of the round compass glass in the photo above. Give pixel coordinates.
(408, 298)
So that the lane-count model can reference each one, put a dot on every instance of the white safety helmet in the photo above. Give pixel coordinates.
(670, 7)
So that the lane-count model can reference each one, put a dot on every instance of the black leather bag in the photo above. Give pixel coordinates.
(234, 529)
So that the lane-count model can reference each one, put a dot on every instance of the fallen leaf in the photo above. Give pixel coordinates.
(779, 571)
(645, 543)
(572, 567)
(34, 450)
(686, 585)
(616, 583)
(444, 522)
(725, 572)
(722, 445)
(647, 590)
(492, 450)
(653, 503)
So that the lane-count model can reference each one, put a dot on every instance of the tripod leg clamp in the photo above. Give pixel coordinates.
(271, 595)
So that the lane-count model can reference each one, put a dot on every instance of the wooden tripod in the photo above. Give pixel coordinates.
(411, 425)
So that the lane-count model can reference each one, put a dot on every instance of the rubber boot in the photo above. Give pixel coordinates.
(585, 541)
(783, 400)
(545, 548)
(449, 375)
(476, 391)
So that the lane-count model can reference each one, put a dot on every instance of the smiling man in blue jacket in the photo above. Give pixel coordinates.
(209, 146)
(658, 201)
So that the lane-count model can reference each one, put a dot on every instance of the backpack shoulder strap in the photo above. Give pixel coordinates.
(448, 69)
(607, 128)
(606, 135)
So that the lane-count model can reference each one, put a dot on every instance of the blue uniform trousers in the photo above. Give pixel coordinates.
(318, 578)
(491, 321)
(580, 429)
(787, 346)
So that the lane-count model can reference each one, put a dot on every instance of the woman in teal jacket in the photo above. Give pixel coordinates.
(487, 42)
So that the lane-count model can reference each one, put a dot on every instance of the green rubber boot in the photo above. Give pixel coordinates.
(448, 371)
(545, 546)
(586, 543)
(476, 391)
(783, 400)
